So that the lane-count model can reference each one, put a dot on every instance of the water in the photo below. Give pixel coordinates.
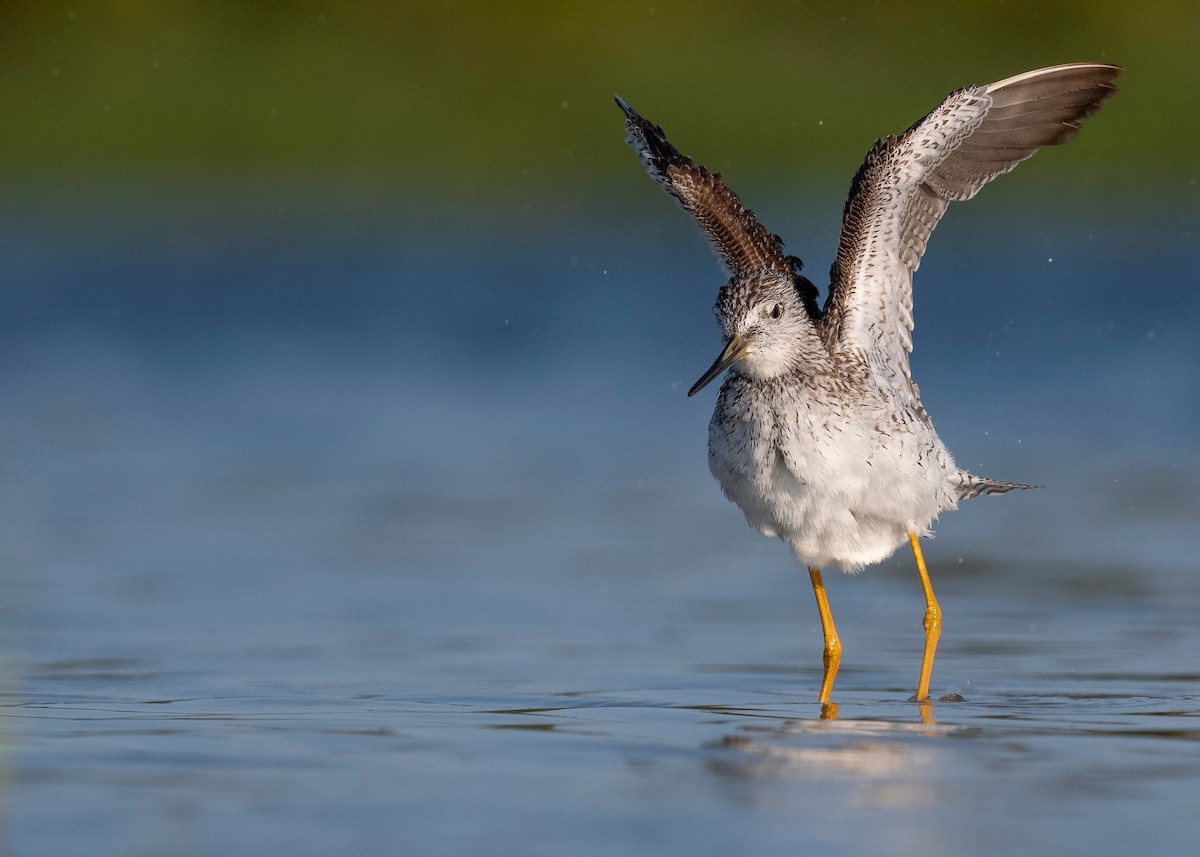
(357, 535)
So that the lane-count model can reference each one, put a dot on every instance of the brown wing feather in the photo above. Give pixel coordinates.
(742, 242)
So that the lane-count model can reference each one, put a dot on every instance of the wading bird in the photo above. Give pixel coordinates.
(819, 435)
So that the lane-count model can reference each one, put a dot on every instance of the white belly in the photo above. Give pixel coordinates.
(840, 491)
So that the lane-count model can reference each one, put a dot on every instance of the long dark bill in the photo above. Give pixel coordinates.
(734, 351)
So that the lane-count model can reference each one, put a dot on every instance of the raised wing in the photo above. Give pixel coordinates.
(742, 242)
(901, 191)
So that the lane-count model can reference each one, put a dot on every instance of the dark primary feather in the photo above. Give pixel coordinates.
(742, 242)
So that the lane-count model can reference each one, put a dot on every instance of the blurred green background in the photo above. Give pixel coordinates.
(440, 105)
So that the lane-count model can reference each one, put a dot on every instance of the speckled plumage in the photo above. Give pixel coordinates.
(819, 435)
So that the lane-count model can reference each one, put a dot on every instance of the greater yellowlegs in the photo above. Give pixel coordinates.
(819, 435)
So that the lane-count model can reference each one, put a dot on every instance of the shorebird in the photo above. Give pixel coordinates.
(819, 435)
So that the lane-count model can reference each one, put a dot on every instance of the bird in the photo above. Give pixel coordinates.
(818, 434)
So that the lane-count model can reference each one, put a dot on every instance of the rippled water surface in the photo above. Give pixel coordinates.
(315, 543)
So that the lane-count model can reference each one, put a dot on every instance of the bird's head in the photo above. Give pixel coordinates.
(762, 317)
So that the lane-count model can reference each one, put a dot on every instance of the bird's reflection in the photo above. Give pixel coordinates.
(829, 746)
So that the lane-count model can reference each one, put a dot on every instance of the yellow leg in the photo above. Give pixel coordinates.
(833, 646)
(933, 621)
(926, 713)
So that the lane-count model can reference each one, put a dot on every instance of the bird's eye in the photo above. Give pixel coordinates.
(777, 311)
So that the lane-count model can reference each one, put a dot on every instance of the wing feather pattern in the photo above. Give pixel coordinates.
(903, 187)
(742, 242)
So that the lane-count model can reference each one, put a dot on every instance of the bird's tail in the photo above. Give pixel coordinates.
(970, 486)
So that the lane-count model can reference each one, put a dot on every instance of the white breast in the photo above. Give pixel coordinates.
(841, 487)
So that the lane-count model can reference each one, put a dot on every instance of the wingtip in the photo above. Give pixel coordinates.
(1093, 74)
(630, 113)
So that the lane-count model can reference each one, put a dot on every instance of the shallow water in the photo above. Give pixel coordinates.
(312, 548)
